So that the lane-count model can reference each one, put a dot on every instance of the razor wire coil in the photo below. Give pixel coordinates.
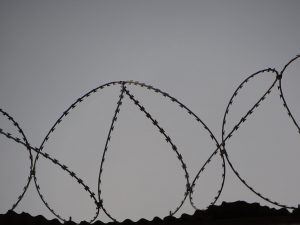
(190, 182)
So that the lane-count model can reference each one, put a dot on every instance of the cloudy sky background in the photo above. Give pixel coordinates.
(52, 52)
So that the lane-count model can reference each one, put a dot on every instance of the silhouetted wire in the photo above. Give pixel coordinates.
(282, 96)
(189, 187)
(10, 118)
(174, 100)
(168, 140)
(114, 119)
(243, 120)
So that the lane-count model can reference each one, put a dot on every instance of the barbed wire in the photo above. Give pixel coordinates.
(190, 183)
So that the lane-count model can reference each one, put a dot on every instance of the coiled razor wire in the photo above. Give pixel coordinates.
(190, 183)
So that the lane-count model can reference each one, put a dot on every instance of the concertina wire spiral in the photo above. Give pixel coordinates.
(124, 91)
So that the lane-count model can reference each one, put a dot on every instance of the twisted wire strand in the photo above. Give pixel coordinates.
(8, 135)
(64, 115)
(220, 147)
(285, 105)
(212, 136)
(114, 119)
(242, 121)
(169, 140)
(53, 160)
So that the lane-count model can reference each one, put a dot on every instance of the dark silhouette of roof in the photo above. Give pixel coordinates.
(227, 213)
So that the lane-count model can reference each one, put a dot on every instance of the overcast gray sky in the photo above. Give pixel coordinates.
(52, 52)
